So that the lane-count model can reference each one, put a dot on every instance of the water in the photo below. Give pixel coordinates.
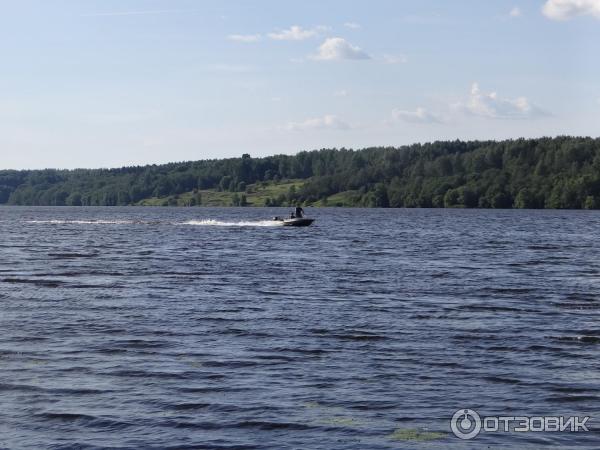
(207, 328)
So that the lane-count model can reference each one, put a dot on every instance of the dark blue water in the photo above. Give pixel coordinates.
(199, 328)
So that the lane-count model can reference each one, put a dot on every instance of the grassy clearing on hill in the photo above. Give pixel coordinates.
(346, 199)
(256, 195)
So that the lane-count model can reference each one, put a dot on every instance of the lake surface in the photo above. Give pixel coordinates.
(206, 328)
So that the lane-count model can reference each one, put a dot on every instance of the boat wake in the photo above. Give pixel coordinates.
(83, 222)
(219, 223)
(205, 222)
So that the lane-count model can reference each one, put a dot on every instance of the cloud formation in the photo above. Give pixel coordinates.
(337, 49)
(327, 122)
(490, 105)
(245, 38)
(420, 115)
(352, 25)
(515, 12)
(567, 9)
(295, 33)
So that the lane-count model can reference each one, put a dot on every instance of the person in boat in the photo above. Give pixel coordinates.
(299, 212)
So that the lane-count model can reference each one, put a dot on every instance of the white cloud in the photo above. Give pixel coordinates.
(515, 12)
(296, 33)
(327, 122)
(336, 48)
(491, 106)
(395, 59)
(341, 93)
(420, 115)
(567, 9)
(352, 25)
(246, 38)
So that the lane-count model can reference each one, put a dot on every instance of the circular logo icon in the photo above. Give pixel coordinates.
(465, 424)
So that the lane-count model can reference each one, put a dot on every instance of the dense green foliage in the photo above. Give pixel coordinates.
(562, 172)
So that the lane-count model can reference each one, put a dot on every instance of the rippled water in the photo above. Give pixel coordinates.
(207, 328)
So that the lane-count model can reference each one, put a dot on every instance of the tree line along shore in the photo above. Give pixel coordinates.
(557, 173)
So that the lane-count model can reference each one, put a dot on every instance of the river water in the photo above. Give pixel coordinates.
(209, 328)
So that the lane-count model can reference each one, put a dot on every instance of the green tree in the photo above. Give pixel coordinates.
(74, 199)
(501, 200)
(451, 198)
(591, 202)
(525, 199)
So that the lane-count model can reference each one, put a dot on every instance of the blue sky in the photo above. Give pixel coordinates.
(111, 83)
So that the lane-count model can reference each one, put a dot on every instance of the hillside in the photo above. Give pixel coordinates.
(562, 172)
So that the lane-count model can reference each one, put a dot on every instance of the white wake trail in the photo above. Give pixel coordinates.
(83, 222)
(220, 223)
(205, 222)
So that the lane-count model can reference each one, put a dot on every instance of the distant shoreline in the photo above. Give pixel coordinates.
(199, 207)
(545, 173)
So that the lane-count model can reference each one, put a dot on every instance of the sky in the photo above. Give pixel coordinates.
(115, 83)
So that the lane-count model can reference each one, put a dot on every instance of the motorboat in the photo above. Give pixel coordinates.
(294, 221)
(297, 222)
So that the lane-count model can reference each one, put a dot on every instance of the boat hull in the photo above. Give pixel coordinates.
(301, 222)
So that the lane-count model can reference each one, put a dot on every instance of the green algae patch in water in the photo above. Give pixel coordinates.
(411, 434)
(312, 405)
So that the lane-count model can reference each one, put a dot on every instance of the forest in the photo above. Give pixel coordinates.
(561, 172)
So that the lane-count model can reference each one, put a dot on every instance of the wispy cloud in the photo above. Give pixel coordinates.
(337, 49)
(491, 106)
(567, 9)
(296, 33)
(245, 38)
(352, 25)
(420, 115)
(515, 12)
(327, 122)
(137, 13)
